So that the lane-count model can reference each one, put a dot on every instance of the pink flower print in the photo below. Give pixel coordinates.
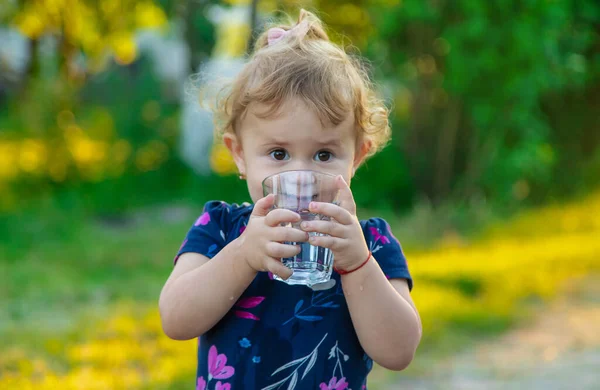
(242, 228)
(223, 386)
(248, 303)
(203, 219)
(217, 365)
(378, 237)
(246, 315)
(201, 384)
(334, 384)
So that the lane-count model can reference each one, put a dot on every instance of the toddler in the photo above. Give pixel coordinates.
(300, 103)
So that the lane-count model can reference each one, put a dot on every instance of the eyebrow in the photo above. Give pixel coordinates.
(331, 142)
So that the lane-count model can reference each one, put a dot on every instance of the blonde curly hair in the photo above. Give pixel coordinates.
(310, 67)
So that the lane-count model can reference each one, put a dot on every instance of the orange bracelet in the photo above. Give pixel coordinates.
(342, 272)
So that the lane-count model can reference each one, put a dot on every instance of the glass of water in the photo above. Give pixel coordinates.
(294, 190)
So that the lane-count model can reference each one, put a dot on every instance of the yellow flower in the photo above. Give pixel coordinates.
(232, 40)
(32, 156)
(124, 48)
(8, 159)
(221, 160)
(149, 15)
(31, 23)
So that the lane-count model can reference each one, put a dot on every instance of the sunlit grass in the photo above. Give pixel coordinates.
(81, 314)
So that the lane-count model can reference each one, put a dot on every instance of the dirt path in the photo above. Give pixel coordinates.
(559, 349)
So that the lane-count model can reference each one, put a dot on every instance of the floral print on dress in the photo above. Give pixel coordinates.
(217, 365)
(378, 240)
(203, 220)
(318, 300)
(339, 355)
(292, 378)
(334, 384)
(378, 236)
(252, 339)
(248, 303)
(245, 343)
(217, 369)
(223, 386)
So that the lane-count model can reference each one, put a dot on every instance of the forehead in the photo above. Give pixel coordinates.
(294, 120)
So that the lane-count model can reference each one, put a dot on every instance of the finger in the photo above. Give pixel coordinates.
(333, 243)
(263, 206)
(339, 213)
(345, 197)
(289, 234)
(278, 216)
(277, 268)
(326, 227)
(278, 250)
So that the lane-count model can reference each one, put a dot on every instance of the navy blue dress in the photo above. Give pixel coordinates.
(278, 336)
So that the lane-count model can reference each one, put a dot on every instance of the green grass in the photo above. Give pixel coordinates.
(89, 262)
(73, 285)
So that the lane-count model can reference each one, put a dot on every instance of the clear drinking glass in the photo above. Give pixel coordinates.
(294, 190)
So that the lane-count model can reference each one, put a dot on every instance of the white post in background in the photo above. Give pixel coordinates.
(227, 59)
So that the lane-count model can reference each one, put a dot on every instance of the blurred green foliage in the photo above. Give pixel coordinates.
(493, 98)
(494, 103)
(496, 106)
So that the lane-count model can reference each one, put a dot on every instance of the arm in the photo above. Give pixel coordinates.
(383, 314)
(199, 291)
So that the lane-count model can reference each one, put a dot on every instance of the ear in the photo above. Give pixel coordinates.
(362, 149)
(233, 143)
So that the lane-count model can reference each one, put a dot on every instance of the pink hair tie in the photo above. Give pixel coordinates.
(276, 34)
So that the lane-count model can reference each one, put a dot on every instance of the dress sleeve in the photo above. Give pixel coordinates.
(386, 249)
(208, 234)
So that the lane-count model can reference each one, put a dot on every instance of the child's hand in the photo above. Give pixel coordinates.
(262, 241)
(345, 236)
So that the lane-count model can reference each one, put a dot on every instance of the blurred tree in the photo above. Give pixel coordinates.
(198, 30)
(92, 28)
(469, 79)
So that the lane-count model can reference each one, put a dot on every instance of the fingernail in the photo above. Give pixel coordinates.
(312, 205)
(304, 225)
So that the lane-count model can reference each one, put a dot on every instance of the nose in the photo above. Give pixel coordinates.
(301, 165)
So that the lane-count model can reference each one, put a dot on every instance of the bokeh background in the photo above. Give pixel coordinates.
(491, 181)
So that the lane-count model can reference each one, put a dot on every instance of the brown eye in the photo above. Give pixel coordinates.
(279, 155)
(323, 156)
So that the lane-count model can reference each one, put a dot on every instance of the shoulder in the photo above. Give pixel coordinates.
(223, 213)
(377, 229)
(386, 249)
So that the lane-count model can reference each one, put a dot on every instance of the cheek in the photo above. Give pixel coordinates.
(254, 182)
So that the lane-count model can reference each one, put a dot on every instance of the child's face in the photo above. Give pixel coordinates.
(292, 140)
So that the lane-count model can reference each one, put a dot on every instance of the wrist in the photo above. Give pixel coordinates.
(246, 255)
(355, 266)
